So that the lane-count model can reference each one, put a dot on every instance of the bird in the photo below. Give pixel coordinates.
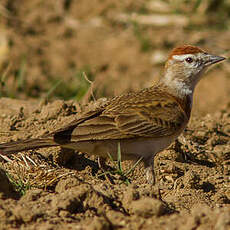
(141, 123)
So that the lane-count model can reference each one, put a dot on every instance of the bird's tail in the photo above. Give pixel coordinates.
(17, 146)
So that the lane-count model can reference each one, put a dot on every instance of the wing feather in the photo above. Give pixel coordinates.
(149, 113)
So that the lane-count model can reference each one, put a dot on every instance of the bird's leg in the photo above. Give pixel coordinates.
(149, 167)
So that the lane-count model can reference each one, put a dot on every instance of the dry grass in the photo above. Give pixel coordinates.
(26, 170)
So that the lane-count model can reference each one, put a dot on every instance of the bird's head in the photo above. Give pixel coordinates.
(185, 67)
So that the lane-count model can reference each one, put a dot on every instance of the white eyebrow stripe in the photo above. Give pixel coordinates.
(181, 57)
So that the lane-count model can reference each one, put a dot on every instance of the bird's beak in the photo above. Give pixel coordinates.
(212, 59)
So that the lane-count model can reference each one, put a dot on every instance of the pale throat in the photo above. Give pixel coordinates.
(178, 87)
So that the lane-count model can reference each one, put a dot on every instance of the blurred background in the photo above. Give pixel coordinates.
(55, 48)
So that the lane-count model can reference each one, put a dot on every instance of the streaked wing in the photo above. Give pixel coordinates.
(149, 113)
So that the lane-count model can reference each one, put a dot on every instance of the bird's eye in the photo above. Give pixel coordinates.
(189, 60)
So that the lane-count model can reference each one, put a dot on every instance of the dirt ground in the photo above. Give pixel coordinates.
(45, 46)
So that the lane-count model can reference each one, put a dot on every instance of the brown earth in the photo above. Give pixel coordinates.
(44, 42)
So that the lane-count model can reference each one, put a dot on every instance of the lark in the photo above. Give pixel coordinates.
(142, 123)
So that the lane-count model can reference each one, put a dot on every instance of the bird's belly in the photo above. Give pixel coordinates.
(130, 148)
(145, 147)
